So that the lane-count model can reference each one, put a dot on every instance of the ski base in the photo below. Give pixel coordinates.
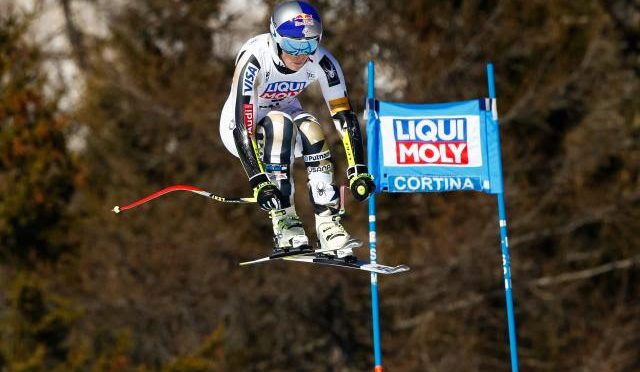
(301, 252)
(349, 262)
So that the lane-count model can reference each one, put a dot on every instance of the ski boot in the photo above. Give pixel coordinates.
(331, 234)
(289, 237)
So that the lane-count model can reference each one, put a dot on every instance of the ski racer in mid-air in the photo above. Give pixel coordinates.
(264, 125)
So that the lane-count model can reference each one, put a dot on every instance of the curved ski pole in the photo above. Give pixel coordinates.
(166, 190)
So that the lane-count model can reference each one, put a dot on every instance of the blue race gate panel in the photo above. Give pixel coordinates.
(435, 147)
(441, 147)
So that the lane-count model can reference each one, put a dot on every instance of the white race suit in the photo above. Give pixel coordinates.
(263, 123)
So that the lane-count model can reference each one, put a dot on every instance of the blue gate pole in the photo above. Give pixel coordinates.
(377, 350)
(504, 242)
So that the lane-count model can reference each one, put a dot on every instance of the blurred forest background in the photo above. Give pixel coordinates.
(121, 98)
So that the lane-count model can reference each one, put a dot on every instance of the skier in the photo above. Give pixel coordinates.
(264, 125)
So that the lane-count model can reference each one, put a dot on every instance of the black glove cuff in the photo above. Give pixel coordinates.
(356, 170)
(258, 179)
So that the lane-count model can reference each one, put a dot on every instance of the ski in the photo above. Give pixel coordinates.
(352, 243)
(350, 262)
(318, 257)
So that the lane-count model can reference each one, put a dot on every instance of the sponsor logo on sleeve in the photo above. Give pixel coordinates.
(248, 78)
(330, 71)
(247, 112)
(339, 104)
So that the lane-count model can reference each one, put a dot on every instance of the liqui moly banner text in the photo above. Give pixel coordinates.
(435, 147)
(431, 141)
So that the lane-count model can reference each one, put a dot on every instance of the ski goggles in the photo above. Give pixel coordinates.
(297, 47)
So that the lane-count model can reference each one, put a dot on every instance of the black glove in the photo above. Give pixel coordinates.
(360, 182)
(266, 192)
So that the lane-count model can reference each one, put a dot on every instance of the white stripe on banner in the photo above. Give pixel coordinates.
(492, 105)
(372, 218)
(494, 109)
(372, 236)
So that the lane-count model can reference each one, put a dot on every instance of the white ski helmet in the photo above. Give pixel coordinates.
(296, 27)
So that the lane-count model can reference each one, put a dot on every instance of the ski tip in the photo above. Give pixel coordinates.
(402, 268)
(247, 263)
(116, 209)
(383, 269)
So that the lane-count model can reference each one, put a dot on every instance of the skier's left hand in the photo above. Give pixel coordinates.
(360, 182)
(266, 192)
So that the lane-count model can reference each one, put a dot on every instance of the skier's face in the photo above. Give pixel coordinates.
(294, 63)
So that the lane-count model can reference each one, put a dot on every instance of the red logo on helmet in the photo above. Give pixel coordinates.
(303, 19)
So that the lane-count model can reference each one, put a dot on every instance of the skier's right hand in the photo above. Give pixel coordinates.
(360, 182)
(266, 192)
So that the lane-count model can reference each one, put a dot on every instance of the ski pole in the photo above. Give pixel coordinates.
(166, 190)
